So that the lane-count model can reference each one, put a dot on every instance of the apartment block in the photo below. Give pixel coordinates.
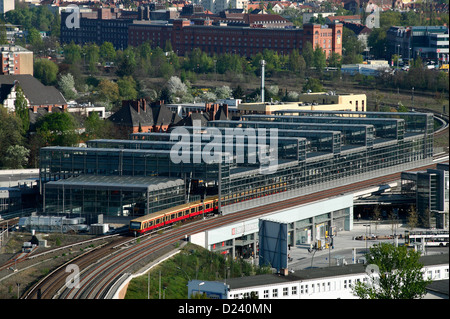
(6, 5)
(16, 60)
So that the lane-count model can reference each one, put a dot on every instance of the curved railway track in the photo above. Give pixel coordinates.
(100, 269)
(48, 286)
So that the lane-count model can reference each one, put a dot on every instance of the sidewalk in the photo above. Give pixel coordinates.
(343, 244)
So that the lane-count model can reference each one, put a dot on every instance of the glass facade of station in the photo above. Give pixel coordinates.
(313, 148)
(90, 196)
(63, 162)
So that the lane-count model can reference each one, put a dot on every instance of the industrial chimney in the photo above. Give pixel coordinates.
(263, 63)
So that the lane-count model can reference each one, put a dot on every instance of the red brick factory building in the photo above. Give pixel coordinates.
(244, 34)
(185, 36)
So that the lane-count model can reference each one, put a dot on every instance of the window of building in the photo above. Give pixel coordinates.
(266, 294)
(294, 290)
(285, 291)
(274, 293)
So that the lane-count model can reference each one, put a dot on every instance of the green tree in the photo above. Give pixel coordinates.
(378, 42)
(228, 62)
(313, 85)
(413, 218)
(126, 62)
(397, 274)
(352, 47)
(10, 132)
(95, 127)
(390, 18)
(200, 62)
(92, 52)
(16, 157)
(46, 71)
(55, 27)
(108, 91)
(238, 92)
(223, 92)
(127, 88)
(67, 85)
(35, 39)
(319, 58)
(335, 60)
(21, 106)
(296, 62)
(57, 129)
(107, 52)
(3, 38)
(308, 54)
(165, 95)
(72, 53)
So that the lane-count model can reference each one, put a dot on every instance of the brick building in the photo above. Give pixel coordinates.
(186, 36)
(244, 34)
(141, 116)
(16, 60)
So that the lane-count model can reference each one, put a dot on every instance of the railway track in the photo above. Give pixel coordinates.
(48, 286)
(100, 269)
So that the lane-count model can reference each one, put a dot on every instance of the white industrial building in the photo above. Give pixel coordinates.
(317, 283)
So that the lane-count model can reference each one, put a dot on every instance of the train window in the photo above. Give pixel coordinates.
(192, 210)
(172, 216)
(135, 225)
(208, 206)
(180, 214)
(186, 212)
(158, 220)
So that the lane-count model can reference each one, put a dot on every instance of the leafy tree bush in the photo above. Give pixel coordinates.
(46, 71)
(398, 274)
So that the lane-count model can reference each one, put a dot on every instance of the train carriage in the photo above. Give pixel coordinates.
(166, 217)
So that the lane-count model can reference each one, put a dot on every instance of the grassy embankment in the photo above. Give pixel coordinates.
(193, 262)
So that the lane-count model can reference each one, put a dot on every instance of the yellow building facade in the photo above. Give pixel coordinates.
(310, 101)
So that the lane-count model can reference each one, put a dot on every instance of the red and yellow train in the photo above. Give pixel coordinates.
(166, 217)
(210, 205)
